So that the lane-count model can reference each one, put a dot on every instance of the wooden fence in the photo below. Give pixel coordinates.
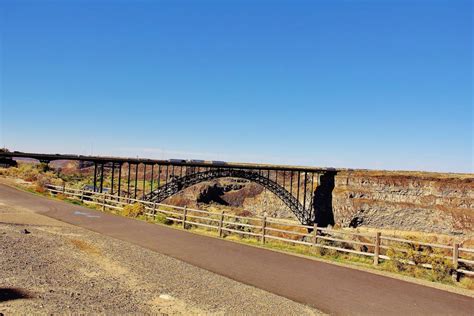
(374, 245)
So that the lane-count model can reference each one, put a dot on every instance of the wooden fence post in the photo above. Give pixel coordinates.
(154, 209)
(185, 212)
(455, 261)
(221, 220)
(64, 187)
(82, 196)
(264, 225)
(377, 248)
(103, 203)
(315, 228)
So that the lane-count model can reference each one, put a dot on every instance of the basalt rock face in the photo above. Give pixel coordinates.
(438, 203)
(417, 201)
(237, 195)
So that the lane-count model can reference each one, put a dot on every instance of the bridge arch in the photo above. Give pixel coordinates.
(181, 183)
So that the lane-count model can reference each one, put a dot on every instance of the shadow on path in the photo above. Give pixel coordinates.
(10, 294)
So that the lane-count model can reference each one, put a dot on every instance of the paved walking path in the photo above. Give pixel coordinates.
(332, 289)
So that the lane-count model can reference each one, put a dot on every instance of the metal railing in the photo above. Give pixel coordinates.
(375, 245)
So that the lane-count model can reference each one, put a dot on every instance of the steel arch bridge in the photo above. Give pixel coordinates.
(306, 191)
(182, 183)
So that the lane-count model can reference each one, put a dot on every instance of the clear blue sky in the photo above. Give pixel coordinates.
(363, 84)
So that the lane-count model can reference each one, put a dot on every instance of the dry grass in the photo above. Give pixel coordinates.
(411, 235)
(35, 173)
(289, 235)
(133, 210)
(85, 247)
(467, 283)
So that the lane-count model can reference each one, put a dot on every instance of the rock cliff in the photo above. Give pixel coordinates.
(431, 202)
(418, 201)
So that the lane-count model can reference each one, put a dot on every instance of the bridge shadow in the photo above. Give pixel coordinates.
(322, 200)
(212, 193)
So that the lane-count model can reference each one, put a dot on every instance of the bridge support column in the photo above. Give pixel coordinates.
(101, 177)
(136, 181)
(112, 180)
(119, 189)
(95, 176)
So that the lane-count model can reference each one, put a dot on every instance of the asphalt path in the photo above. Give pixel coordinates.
(330, 288)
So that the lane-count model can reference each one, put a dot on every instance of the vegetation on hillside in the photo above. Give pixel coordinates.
(37, 174)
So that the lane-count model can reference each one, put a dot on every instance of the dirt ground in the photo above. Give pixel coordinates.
(50, 267)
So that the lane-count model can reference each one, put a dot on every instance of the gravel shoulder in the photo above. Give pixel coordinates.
(59, 268)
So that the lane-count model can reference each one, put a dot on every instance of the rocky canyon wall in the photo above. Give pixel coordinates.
(430, 202)
(418, 201)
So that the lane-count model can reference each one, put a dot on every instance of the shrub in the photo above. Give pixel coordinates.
(161, 218)
(43, 167)
(242, 228)
(46, 178)
(404, 254)
(133, 210)
(397, 261)
(29, 173)
(443, 268)
(39, 188)
(327, 251)
(36, 173)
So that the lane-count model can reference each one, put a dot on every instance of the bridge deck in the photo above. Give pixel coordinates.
(52, 157)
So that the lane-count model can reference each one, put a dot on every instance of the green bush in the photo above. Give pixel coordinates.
(161, 218)
(442, 269)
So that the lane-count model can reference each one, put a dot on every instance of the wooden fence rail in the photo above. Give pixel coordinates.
(263, 228)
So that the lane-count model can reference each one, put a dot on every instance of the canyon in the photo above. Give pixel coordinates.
(413, 201)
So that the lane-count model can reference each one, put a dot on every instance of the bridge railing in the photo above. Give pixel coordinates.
(377, 246)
